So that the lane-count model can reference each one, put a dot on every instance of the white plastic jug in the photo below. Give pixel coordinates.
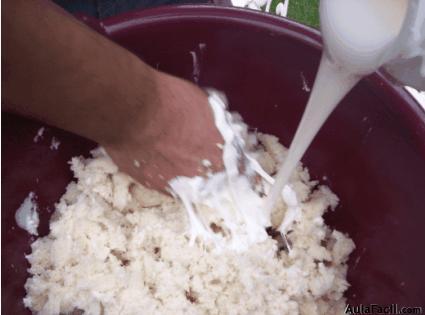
(359, 37)
(363, 35)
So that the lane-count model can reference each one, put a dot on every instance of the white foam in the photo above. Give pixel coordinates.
(232, 193)
(293, 211)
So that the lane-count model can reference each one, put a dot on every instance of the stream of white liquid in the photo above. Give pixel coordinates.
(331, 85)
(242, 211)
(358, 33)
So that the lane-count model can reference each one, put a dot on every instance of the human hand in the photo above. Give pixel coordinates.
(153, 125)
(177, 134)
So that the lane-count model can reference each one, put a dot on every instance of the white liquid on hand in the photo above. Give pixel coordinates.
(357, 34)
(229, 192)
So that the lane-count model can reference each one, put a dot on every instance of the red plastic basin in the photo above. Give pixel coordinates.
(372, 149)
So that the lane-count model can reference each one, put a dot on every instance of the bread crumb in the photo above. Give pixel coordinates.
(206, 163)
(26, 215)
(117, 247)
(54, 144)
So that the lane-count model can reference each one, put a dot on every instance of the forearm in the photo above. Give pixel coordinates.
(57, 70)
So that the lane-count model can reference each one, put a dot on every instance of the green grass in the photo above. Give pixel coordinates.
(303, 11)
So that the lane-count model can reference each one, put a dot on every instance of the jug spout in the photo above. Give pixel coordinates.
(359, 35)
(363, 35)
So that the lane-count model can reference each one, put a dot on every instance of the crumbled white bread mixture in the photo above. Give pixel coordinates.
(26, 216)
(116, 247)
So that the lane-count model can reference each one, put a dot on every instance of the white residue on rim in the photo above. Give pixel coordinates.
(196, 68)
(54, 144)
(202, 47)
(39, 135)
(305, 86)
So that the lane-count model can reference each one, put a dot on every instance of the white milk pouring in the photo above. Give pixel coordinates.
(359, 37)
(331, 85)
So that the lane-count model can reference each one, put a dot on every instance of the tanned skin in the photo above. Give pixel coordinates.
(57, 70)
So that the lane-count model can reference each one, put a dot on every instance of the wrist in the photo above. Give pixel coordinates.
(132, 102)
